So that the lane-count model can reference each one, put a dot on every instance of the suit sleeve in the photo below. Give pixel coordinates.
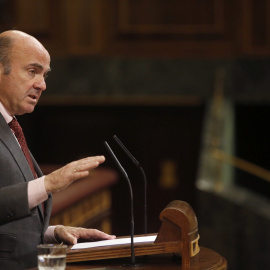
(14, 202)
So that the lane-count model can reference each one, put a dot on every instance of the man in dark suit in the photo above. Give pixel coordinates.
(25, 194)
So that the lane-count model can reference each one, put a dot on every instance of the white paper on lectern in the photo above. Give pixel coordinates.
(113, 242)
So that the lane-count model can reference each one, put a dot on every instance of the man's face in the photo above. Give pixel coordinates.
(21, 89)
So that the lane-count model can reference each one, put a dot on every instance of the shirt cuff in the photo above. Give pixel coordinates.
(36, 192)
(49, 235)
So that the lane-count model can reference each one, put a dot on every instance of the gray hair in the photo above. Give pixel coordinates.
(5, 46)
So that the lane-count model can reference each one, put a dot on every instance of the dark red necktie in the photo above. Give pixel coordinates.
(15, 126)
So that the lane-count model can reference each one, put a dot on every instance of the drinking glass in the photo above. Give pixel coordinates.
(52, 257)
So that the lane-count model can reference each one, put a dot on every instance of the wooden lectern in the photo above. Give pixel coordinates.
(178, 235)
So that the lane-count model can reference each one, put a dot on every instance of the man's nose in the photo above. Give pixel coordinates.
(40, 84)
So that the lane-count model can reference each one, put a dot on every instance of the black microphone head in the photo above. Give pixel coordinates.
(135, 161)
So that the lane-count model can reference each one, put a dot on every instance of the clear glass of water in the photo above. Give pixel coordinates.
(52, 257)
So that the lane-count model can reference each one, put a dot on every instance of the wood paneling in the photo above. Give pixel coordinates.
(6, 14)
(172, 17)
(33, 16)
(44, 19)
(172, 28)
(84, 26)
(256, 27)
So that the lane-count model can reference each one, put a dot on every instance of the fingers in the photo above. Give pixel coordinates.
(93, 234)
(70, 235)
(86, 164)
(75, 170)
(62, 234)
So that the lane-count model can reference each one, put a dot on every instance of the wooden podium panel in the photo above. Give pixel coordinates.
(175, 247)
(178, 237)
(178, 234)
(206, 259)
(123, 250)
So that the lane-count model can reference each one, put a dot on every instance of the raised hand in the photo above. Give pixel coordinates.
(73, 171)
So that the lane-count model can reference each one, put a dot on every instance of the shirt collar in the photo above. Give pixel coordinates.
(5, 113)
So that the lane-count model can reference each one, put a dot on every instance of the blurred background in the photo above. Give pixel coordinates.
(185, 86)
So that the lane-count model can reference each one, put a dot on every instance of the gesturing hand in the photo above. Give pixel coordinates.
(70, 235)
(75, 170)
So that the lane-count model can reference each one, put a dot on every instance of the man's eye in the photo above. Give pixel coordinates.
(32, 71)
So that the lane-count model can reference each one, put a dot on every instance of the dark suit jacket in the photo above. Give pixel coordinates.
(21, 230)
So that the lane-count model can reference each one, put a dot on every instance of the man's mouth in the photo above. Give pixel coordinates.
(34, 97)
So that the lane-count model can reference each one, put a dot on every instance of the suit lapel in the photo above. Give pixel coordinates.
(8, 139)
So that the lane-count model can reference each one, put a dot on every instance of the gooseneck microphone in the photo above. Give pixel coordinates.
(123, 172)
(135, 161)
